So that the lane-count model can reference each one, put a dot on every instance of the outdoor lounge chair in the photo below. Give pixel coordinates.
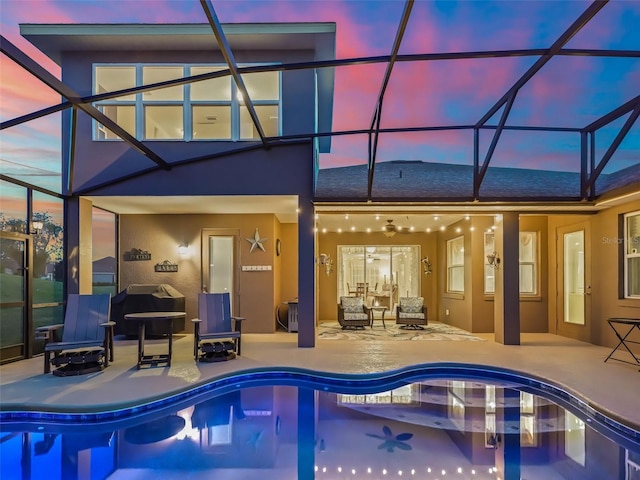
(353, 313)
(411, 313)
(86, 345)
(215, 339)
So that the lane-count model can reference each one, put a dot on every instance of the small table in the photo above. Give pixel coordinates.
(622, 323)
(146, 317)
(375, 309)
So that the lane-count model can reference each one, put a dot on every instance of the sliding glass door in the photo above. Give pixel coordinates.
(380, 274)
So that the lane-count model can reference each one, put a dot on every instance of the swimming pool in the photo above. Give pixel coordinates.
(435, 423)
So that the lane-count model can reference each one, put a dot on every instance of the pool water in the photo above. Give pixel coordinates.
(279, 427)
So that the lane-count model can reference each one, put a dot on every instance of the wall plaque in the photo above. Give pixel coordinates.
(135, 254)
(166, 266)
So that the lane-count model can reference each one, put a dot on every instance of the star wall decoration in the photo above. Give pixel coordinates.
(256, 241)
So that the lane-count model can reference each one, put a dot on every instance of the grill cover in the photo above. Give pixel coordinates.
(138, 298)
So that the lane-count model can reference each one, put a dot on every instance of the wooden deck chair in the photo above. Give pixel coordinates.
(217, 335)
(86, 345)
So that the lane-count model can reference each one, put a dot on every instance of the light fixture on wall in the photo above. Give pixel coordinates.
(426, 266)
(494, 260)
(494, 440)
(325, 260)
(36, 227)
(183, 248)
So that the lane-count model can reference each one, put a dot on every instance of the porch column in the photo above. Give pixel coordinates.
(78, 245)
(306, 275)
(507, 290)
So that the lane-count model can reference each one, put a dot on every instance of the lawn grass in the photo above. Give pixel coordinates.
(44, 291)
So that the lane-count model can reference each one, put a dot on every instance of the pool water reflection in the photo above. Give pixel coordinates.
(429, 429)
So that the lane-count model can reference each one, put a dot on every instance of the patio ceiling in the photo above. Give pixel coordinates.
(492, 86)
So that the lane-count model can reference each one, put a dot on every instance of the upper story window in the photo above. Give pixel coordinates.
(528, 254)
(455, 265)
(206, 110)
(632, 255)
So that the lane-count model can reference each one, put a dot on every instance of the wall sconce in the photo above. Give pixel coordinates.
(36, 227)
(494, 260)
(183, 249)
(326, 261)
(426, 266)
(494, 440)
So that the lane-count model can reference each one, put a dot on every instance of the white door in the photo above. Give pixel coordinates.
(574, 281)
(220, 264)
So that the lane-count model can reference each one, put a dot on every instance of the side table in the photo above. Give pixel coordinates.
(375, 309)
(142, 319)
(623, 327)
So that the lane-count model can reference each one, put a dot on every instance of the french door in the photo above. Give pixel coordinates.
(573, 313)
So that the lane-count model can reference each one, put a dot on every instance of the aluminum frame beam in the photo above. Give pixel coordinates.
(377, 114)
(508, 98)
(588, 188)
(35, 69)
(35, 115)
(225, 48)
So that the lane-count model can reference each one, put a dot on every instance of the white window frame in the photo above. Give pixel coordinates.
(631, 251)
(186, 103)
(451, 266)
(534, 264)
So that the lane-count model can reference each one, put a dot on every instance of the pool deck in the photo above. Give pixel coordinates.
(612, 388)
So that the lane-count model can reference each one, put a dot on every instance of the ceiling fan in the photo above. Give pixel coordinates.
(390, 229)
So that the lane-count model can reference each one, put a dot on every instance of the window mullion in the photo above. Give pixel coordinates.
(139, 106)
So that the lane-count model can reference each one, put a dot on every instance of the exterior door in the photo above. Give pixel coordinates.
(14, 297)
(220, 264)
(573, 297)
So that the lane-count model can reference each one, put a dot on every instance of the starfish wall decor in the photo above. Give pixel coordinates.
(256, 242)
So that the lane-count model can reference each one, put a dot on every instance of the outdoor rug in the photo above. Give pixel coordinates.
(432, 331)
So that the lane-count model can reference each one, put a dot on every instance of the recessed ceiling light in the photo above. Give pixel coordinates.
(324, 230)
(467, 217)
(377, 217)
(435, 217)
(317, 216)
(339, 230)
(353, 229)
(368, 230)
(346, 216)
(442, 228)
(428, 230)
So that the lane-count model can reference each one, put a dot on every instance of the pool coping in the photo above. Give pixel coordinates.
(328, 381)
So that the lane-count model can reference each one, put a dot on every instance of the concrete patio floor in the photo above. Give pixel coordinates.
(612, 388)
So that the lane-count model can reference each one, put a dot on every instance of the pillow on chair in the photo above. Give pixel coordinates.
(352, 304)
(411, 304)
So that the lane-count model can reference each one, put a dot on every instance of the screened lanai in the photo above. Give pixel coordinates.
(422, 107)
(473, 101)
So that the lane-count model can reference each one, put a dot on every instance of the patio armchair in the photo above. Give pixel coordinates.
(217, 334)
(411, 313)
(353, 313)
(86, 345)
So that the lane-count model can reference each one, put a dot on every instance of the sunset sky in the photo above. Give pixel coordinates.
(568, 92)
